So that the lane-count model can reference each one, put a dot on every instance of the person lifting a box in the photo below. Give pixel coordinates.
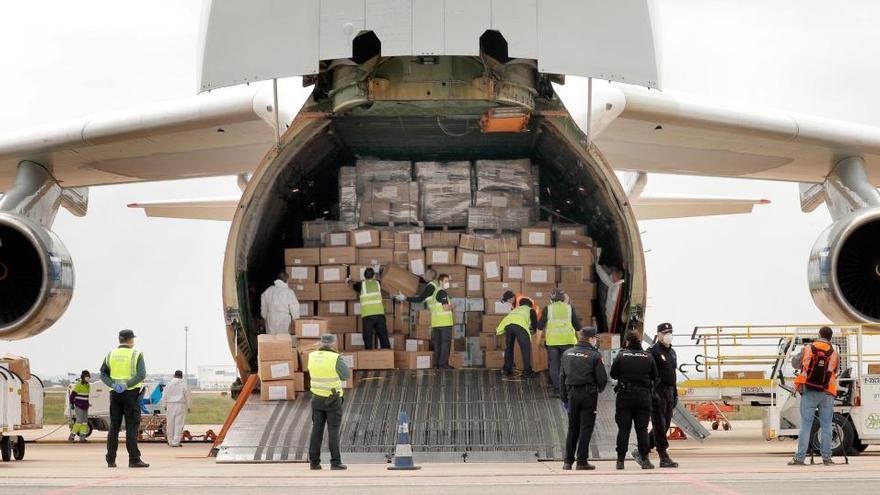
(518, 326)
(372, 310)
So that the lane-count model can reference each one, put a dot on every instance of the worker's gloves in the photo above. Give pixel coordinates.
(119, 388)
(400, 297)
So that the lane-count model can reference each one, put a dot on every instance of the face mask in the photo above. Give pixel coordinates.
(666, 338)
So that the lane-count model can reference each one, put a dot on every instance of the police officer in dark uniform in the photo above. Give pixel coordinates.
(665, 393)
(581, 379)
(635, 372)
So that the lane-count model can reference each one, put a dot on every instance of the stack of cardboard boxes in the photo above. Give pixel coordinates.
(22, 368)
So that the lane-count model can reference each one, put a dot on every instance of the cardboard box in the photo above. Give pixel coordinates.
(26, 418)
(576, 241)
(459, 359)
(354, 308)
(472, 259)
(407, 241)
(417, 345)
(275, 347)
(333, 308)
(332, 273)
(301, 273)
(494, 290)
(416, 262)
(386, 239)
(501, 244)
(19, 365)
(457, 288)
(496, 307)
(581, 289)
(338, 292)
(536, 236)
(493, 359)
(491, 342)
(474, 284)
(338, 239)
(305, 291)
(376, 360)
(338, 255)
(539, 355)
(400, 258)
(350, 359)
(514, 274)
(472, 242)
(299, 382)
(356, 272)
(304, 347)
(302, 256)
(440, 256)
(575, 274)
(874, 369)
(574, 256)
(375, 256)
(563, 231)
(307, 309)
(608, 341)
(396, 279)
(540, 274)
(25, 392)
(310, 328)
(366, 238)
(473, 323)
(529, 255)
(354, 341)
(491, 268)
(342, 324)
(539, 293)
(278, 390)
(750, 375)
(440, 239)
(278, 370)
(407, 360)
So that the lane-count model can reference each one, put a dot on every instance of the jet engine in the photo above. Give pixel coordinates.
(844, 268)
(36, 277)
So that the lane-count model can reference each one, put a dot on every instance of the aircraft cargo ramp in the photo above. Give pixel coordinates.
(468, 415)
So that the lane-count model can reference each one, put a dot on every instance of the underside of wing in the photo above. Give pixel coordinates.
(654, 207)
(194, 209)
(664, 133)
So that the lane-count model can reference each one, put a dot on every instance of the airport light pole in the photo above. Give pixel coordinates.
(185, 352)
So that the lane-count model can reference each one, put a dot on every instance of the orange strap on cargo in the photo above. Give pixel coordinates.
(249, 385)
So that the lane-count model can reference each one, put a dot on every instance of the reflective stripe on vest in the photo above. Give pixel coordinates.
(81, 389)
(322, 372)
(519, 316)
(559, 330)
(122, 362)
(371, 298)
(440, 317)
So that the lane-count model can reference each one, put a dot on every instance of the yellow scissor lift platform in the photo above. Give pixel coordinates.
(751, 365)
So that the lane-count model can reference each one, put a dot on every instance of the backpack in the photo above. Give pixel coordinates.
(819, 369)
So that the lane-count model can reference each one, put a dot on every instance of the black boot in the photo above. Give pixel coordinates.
(584, 466)
(111, 463)
(566, 466)
(137, 463)
(666, 461)
(619, 464)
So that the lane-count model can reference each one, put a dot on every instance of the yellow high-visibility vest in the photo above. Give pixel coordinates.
(122, 362)
(559, 330)
(440, 317)
(519, 316)
(371, 298)
(322, 372)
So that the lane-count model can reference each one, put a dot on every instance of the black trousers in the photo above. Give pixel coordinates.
(661, 417)
(441, 341)
(581, 420)
(375, 326)
(517, 334)
(554, 361)
(329, 415)
(125, 405)
(633, 409)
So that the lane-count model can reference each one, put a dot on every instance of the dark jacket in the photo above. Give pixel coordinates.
(426, 293)
(581, 365)
(634, 366)
(667, 364)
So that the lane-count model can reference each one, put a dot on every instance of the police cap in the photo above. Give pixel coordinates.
(664, 328)
(126, 334)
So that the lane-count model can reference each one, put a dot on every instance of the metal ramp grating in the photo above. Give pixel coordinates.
(468, 415)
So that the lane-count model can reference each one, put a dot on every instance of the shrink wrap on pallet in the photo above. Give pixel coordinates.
(445, 192)
(491, 218)
(505, 175)
(381, 171)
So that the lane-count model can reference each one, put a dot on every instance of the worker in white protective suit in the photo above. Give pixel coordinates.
(279, 306)
(177, 403)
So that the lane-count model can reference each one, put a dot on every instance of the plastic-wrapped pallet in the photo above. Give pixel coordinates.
(502, 199)
(505, 175)
(445, 192)
(401, 198)
(381, 171)
(492, 218)
(313, 231)
(348, 194)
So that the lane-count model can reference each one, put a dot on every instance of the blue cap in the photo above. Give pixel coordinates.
(588, 332)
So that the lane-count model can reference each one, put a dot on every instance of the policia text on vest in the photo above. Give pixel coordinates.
(372, 311)
(124, 371)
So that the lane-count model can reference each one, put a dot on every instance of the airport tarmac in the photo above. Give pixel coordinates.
(733, 462)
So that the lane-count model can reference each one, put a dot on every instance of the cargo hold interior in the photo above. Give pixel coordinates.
(306, 187)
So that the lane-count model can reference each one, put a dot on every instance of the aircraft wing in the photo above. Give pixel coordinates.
(646, 130)
(224, 133)
(195, 209)
(657, 206)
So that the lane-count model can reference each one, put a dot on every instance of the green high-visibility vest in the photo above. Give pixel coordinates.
(519, 316)
(371, 298)
(322, 372)
(559, 330)
(122, 362)
(440, 317)
(81, 389)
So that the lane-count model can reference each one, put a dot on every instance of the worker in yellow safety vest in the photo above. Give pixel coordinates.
(79, 407)
(518, 326)
(327, 372)
(436, 298)
(123, 370)
(558, 322)
(372, 310)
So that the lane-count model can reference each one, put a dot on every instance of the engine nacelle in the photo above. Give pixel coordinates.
(36, 278)
(844, 268)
